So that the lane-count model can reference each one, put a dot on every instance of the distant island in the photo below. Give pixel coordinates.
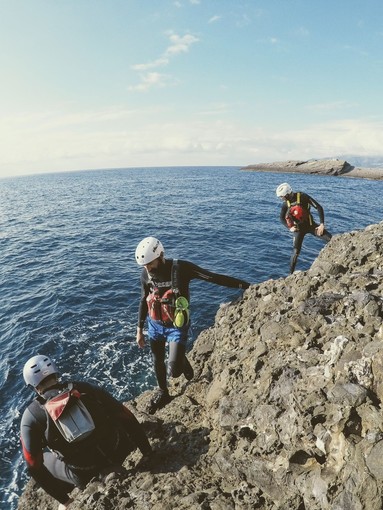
(336, 167)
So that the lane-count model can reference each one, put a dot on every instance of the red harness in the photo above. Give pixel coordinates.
(161, 308)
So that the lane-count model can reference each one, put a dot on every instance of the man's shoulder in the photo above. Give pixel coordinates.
(304, 197)
(33, 413)
(85, 386)
(179, 262)
(185, 266)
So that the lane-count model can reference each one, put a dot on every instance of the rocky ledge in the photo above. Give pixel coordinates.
(285, 411)
(335, 167)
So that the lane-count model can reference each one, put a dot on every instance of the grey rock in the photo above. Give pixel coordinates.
(333, 166)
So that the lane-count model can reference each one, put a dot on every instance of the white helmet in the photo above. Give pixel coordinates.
(36, 369)
(284, 189)
(148, 250)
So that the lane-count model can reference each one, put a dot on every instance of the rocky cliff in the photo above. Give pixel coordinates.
(285, 409)
(336, 167)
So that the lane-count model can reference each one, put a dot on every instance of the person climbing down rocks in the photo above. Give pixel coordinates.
(164, 304)
(296, 216)
(74, 431)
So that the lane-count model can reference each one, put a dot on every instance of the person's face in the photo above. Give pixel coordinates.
(153, 266)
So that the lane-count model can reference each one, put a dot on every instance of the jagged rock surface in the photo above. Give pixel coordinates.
(285, 409)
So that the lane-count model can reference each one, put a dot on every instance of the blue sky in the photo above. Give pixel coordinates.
(122, 83)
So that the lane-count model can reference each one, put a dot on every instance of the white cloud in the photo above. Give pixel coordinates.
(160, 62)
(178, 44)
(153, 79)
(213, 19)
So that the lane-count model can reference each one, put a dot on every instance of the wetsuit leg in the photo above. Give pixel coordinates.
(326, 234)
(61, 471)
(176, 360)
(158, 354)
(325, 237)
(297, 243)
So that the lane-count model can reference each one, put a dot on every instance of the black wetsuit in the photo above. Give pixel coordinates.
(308, 226)
(162, 281)
(66, 465)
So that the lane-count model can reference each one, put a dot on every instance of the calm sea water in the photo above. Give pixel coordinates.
(69, 284)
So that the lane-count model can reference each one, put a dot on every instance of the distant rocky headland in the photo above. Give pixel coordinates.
(335, 167)
(285, 410)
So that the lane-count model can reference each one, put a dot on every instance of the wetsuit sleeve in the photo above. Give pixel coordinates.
(318, 207)
(219, 279)
(115, 408)
(135, 430)
(143, 305)
(32, 441)
(282, 215)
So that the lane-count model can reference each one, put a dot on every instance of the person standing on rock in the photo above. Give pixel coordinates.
(296, 216)
(88, 432)
(164, 304)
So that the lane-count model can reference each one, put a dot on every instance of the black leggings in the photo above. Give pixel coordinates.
(176, 360)
(298, 241)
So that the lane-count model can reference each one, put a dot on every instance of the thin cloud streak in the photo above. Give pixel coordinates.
(214, 19)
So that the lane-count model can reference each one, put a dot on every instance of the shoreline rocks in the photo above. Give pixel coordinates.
(336, 167)
(285, 410)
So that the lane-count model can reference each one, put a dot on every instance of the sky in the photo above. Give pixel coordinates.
(89, 84)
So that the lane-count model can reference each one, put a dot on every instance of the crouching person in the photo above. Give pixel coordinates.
(85, 429)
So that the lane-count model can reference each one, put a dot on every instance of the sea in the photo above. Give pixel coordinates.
(69, 283)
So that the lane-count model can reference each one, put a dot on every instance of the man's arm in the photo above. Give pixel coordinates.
(115, 408)
(318, 207)
(282, 214)
(135, 430)
(219, 279)
(32, 435)
(142, 314)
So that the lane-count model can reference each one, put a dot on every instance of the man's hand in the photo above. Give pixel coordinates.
(320, 229)
(293, 229)
(140, 338)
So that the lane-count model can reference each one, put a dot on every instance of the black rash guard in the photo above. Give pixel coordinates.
(186, 272)
(305, 201)
(115, 425)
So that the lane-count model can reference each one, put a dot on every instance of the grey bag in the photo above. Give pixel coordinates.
(70, 415)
